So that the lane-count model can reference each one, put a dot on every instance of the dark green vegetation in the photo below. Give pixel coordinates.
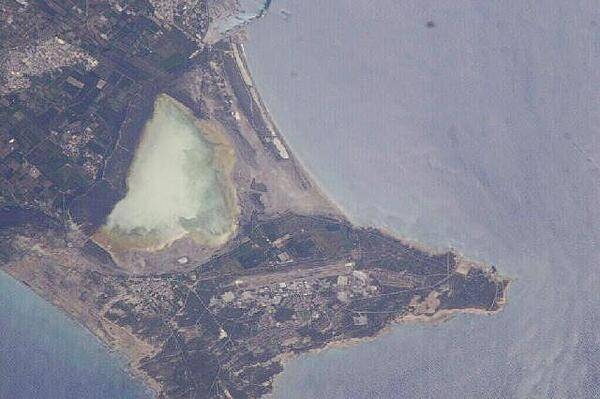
(291, 284)
(216, 327)
(62, 138)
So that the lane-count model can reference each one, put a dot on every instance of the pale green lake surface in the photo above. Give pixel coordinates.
(174, 185)
(177, 185)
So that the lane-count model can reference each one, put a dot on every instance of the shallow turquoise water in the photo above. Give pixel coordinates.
(45, 355)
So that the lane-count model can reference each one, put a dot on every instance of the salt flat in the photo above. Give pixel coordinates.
(177, 185)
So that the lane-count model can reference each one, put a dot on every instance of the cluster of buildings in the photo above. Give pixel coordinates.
(297, 302)
(69, 74)
(20, 63)
(57, 134)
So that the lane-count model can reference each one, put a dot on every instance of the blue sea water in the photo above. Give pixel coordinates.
(479, 130)
(45, 355)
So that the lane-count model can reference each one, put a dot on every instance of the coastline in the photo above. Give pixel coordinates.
(128, 360)
(127, 344)
(119, 339)
(242, 64)
(439, 317)
(437, 124)
(124, 345)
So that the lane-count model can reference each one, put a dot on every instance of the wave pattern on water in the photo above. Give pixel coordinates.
(480, 131)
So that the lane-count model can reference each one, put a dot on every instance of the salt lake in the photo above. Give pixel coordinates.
(178, 184)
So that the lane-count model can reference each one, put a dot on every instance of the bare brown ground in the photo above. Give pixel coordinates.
(63, 290)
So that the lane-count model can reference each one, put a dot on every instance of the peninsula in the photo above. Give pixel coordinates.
(146, 192)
